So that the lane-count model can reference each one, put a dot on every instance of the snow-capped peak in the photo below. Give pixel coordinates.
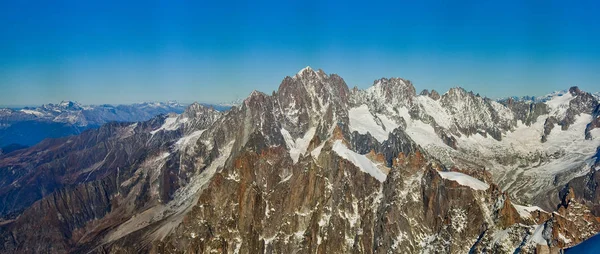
(310, 74)
(553, 94)
(305, 69)
(70, 105)
(66, 103)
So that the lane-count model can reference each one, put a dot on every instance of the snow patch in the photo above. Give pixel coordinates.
(359, 160)
(434, 109)
(362, 121)
(538, 235)
(465, 180)
(32, 112)
(525, 211)
(500, 236)
(563, 238)
(189, 139)
(300, 145)
(317, 151)
(171, 123)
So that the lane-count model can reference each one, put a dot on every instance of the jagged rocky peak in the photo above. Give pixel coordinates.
(257, 107)
(567, 106)
(397, 91)
(304, 106)
(434, 95)
(458, 99)
(474, 114)
(574, 90)
(197, 109)
(308, 72)
(583, 102)
(310, 92)
(198, 117)
(317, 82)
(458, 96)
(255, 97)
(456, 92)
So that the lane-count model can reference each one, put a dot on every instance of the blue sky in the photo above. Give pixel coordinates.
(214, 51)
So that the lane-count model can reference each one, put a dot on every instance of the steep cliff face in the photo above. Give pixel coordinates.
(314, 167)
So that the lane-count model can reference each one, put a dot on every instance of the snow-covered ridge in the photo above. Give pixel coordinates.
(359, 160)
(173, 122)
(305, 69)
(32, 112)
(559, 104)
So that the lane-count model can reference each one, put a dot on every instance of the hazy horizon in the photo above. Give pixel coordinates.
(122, 53)
(418, 90)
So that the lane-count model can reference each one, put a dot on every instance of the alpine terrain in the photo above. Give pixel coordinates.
(316, 167)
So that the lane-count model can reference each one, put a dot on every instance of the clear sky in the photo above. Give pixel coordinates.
(214, 51)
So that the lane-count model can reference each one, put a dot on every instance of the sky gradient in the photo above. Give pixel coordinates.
(216, 51)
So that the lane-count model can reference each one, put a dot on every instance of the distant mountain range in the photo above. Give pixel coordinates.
(543, 98)
(30, 125)
(232, 103)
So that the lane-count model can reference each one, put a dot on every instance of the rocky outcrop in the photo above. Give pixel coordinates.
(582, 103)
(476, 115)
(584, 190)
(526, 111)
(548, 126)
(595, 123)
(434, 95)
